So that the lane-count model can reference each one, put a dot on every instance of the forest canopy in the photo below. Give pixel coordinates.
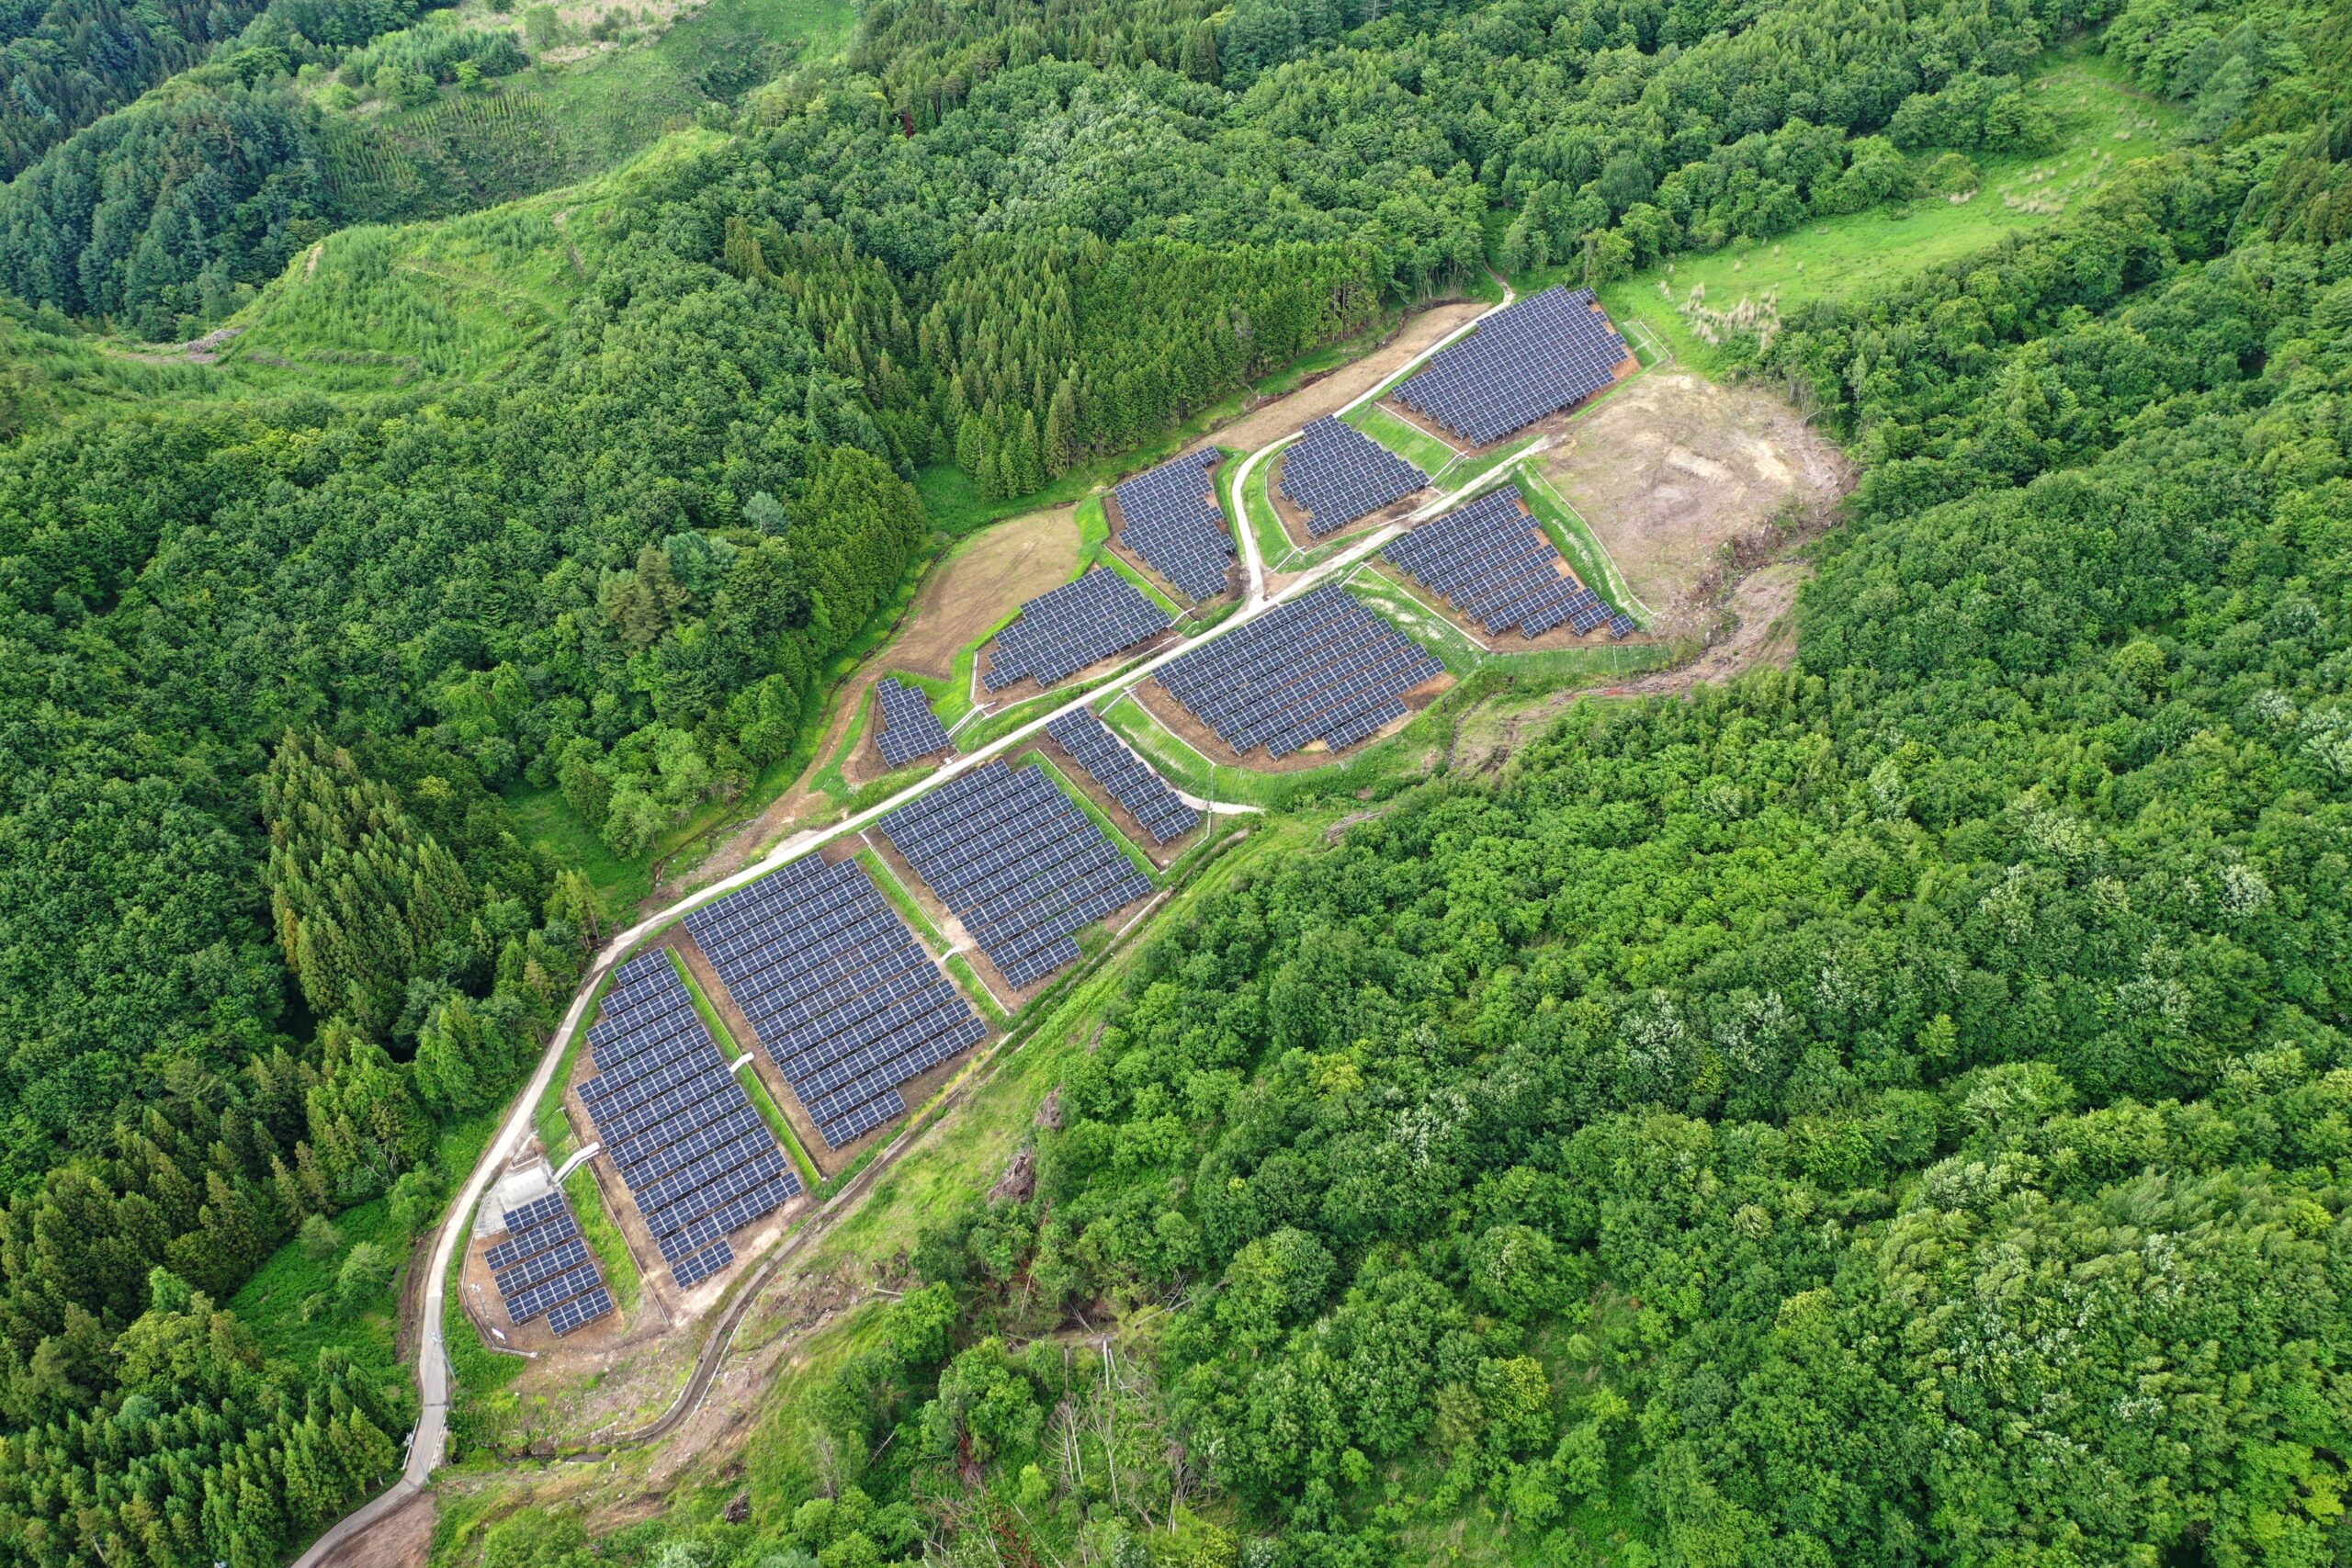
(1886, 1112)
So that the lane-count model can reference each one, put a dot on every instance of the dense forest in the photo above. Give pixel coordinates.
(70, 61)
(1883, 1112)
(1614, 135)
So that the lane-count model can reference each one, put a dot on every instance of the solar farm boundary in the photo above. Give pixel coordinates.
(428, 1442)
(736, 1302)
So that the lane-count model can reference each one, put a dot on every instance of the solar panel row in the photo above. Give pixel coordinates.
(838, 989)
(538, 1238)
(684, 1243)
(1021, 867)
(1500, 568)
(579, 1311)
(677, 1123)
(527, 1304)
(1061, 633)
(1321, 667)
(1133, 785)
(702, 1264)
(1338, 474)
(538, 1210)
(1548, 352)
(909, 730)
(544, 1263)
(546, 1266)
(1171, 518)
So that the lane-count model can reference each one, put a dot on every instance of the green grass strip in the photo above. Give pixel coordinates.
(1575, 540)
(604, 1237)
(549, 1119)
(1163, 748)
(1094, 813)
(902, 900)
(960, 969)
(1471, 471)
(1416, 445)
(755, 1088)
(1256, 507)
(1446, 642)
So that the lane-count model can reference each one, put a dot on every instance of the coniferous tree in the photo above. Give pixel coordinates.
(1061, 424)
(362, 897)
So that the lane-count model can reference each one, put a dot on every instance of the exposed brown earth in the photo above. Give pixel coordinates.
(1000, 568)
(1329, 393)
(401, 1538)
(1761, 629)
(1689, 483)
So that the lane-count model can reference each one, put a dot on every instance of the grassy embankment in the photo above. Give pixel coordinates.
(2103, 124)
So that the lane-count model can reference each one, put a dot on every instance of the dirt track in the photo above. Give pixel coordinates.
(401, 1538)
(1329, 394)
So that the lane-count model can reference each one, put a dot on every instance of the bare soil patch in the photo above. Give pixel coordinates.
(984, 580)
(401, 1538)
(1336, 389)
(1689, 483)
(1757, 626)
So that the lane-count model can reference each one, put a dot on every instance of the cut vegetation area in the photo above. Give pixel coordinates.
(1685, 483)
(1696, 302)
(608, 80)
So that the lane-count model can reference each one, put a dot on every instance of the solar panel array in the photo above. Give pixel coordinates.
(675, 1119)
(544, 1266)
(1104, 756)
(1061, 633)
(1500, 569)
(1338, 474)
(909, 730)
(1548, 352)
(1017, 862)
(1171, 519)
(1320, 667)
(847, 1004)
